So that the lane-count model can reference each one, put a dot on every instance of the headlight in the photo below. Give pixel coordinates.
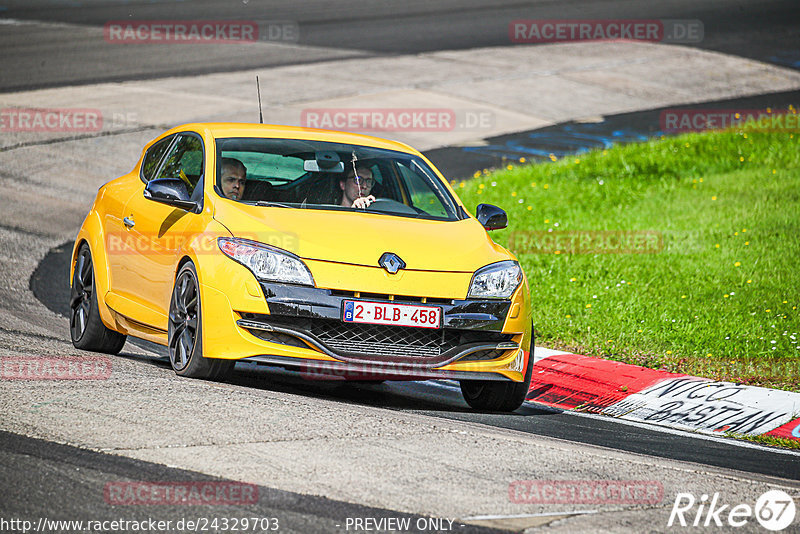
(266, 262)
(496, 281)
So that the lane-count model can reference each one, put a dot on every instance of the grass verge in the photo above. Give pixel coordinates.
(769, 441)
(678, 254)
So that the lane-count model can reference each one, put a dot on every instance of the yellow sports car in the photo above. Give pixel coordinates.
(337, 254)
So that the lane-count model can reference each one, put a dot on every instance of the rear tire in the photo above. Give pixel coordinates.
(86, 329)
(185, 338)
(495, 396)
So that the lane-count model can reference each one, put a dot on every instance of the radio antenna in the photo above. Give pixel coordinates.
(355, 172)
(260, 114)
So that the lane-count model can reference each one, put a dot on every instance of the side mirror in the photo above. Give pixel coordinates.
(491, 217)
(170, 191)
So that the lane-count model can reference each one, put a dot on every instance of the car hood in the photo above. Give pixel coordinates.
(361, 238)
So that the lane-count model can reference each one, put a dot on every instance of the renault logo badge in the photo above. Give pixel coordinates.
(391, 262)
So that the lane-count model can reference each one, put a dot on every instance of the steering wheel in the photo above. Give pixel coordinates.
(388, 205)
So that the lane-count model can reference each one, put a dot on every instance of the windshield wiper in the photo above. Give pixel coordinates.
(265, 203)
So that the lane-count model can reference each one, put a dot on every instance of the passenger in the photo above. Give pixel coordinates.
(233, 178)
(356, 193)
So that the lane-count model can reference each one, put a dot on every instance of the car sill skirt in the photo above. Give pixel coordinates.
(322, 369)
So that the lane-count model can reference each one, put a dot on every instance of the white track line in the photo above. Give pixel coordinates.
(540, 353)
(519, 516)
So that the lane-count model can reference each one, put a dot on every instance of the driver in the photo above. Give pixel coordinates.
(356, 193)
(233, 178)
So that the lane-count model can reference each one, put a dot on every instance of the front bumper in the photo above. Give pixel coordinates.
(299, 301)
(303, 328)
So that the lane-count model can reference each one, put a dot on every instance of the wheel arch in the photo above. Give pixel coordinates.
(183, 261)
(91, 233)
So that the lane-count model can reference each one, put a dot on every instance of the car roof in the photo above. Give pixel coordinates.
(241, 129)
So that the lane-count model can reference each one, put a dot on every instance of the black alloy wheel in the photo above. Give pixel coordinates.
(183, 320)
(85, 326)
(80, 301)
(185, 331)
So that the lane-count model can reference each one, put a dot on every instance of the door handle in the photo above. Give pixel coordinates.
(128, 221)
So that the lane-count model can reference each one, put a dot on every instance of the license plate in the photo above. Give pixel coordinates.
(357, 311)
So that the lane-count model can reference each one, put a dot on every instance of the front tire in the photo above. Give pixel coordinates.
(86, 329)
(185, 338)
(494, 396)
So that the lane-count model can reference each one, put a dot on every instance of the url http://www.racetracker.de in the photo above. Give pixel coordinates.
(197, 524)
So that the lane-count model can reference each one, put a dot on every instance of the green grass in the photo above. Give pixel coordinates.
(769, 441)
(719, 300)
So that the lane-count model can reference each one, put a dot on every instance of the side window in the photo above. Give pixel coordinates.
(422, 197)
(153, 157)
(384, 186)
(184, 161)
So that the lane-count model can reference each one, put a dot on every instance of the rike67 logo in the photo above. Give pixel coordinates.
(774, 510)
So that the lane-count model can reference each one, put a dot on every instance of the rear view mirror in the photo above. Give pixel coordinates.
(324, 160)
(491, 217)
(310, 165)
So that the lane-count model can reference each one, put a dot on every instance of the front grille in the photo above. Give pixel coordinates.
(279, 337)
(484, 355)
(398, 299)
(368, 339)
(385, 343)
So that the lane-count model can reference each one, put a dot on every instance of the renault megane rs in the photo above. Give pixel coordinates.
(332, 253)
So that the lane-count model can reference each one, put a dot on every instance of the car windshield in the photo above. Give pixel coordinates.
(299, 173)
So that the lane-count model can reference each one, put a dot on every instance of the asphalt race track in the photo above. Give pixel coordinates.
(572, 137)
(80, 474)
(318, 454)
(444, 400)
(52, 55)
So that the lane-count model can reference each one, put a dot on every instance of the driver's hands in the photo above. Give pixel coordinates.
(363, 202)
